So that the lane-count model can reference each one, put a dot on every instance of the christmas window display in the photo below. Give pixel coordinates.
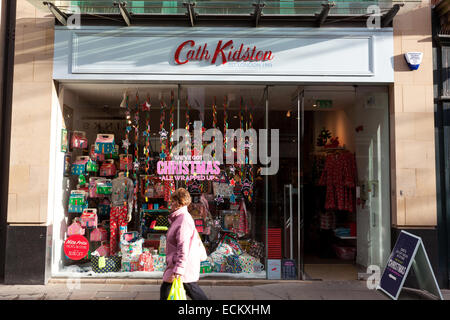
(119, 202)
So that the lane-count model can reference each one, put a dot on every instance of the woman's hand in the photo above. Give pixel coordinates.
(175, 276)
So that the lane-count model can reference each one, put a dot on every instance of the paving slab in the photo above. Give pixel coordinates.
(115, 295)
(147, 296)
(142, 288)
(82, 295)
(9, 297)
(35, 296)
(57, 296)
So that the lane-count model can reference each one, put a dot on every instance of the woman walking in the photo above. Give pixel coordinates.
(184, 249)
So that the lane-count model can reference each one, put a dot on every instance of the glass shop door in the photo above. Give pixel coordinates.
(284, 189)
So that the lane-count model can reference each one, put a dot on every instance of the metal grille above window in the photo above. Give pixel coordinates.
(329, 13)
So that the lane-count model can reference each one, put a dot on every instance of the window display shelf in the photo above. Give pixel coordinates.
(346, 238)
(155, 211)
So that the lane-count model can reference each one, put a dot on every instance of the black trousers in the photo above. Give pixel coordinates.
(192, 290)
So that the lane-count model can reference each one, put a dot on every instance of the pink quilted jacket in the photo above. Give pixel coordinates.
(183, 247)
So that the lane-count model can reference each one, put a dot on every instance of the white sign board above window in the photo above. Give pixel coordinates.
(226, 54)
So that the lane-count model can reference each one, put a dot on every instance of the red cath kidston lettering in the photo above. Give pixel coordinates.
(181, 46)
(225, 51)
(219, 49)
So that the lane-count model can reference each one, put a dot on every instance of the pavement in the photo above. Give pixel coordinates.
(135, 289)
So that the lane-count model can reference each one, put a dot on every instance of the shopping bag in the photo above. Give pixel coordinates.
(177, 291)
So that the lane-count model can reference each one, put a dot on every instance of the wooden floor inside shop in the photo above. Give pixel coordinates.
(334, 272)
(330, 269)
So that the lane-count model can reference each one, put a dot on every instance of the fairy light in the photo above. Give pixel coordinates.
(127, 131)
(225, 121)
(171, 124)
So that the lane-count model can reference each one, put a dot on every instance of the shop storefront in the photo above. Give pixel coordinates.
(281, 135)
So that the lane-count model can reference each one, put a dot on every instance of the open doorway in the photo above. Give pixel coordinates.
(345, 180)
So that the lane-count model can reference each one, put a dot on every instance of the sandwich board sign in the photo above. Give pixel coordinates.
(408, 252)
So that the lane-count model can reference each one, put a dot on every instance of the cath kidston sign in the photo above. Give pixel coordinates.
(222, 53)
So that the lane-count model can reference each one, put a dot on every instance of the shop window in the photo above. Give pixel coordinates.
(259, 161)
(120, 143)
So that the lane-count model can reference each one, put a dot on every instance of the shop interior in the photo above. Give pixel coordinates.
(248, 221)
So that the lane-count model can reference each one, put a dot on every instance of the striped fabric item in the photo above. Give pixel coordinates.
(274, 243)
